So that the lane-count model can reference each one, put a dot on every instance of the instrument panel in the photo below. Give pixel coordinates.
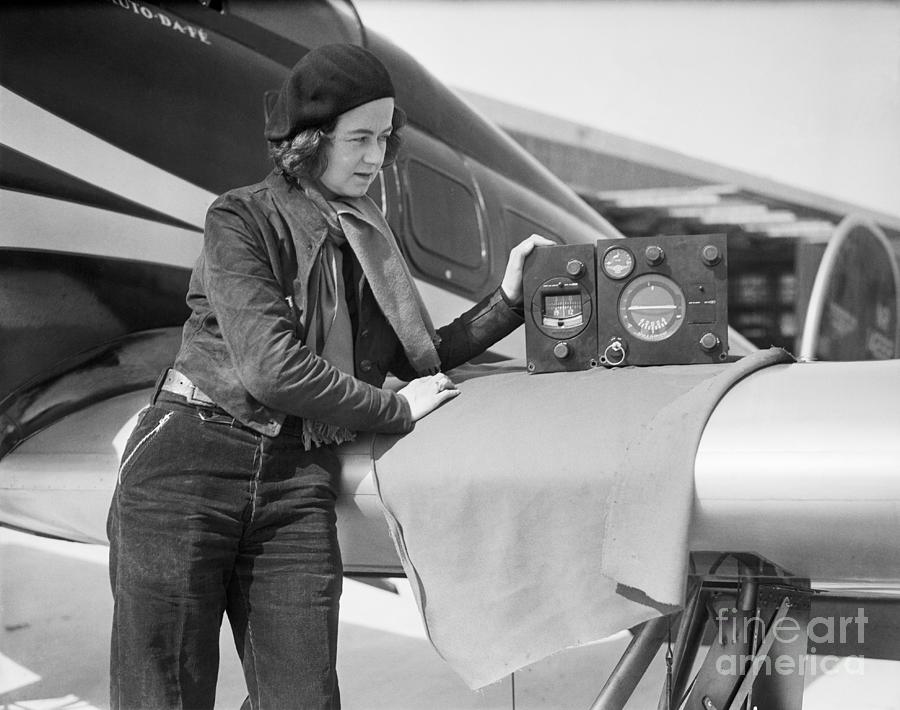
(641, 301)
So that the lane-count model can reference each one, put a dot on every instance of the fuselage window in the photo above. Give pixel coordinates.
(444, 216)
(442, 223)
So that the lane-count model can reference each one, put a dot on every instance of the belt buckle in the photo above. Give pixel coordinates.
(201, 399)
(214, 418)
(209, 416)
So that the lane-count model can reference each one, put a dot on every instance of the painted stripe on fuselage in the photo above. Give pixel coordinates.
(41, 223)
(43, 136)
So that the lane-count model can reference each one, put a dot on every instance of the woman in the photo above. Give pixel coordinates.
(301, 303)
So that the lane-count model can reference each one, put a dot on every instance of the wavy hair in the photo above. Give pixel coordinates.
(303, 155)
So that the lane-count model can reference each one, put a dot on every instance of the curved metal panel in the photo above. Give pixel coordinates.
(800, 464)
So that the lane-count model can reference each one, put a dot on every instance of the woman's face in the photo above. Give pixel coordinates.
(356, 148)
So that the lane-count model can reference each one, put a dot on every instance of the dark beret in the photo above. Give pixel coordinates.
(328, 81)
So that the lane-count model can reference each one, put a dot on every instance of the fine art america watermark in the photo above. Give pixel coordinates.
(831, 631)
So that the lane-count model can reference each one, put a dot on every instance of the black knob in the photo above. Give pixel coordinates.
(710, 255)
(561, 350)
(574, 268)
(709, 342)
(654, 255)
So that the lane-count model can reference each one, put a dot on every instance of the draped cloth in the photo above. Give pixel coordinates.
(538, 513)
(359, 223)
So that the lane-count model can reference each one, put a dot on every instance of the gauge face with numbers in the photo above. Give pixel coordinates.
(651, 307)
(562, 310)
(618, 263)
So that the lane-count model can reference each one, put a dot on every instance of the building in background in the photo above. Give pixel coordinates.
(776, 233)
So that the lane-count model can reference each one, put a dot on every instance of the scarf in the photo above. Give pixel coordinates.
(358, 222)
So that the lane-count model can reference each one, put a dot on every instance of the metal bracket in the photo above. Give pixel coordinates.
(760, 656)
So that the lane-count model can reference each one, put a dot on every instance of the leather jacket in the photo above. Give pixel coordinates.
(243, 343)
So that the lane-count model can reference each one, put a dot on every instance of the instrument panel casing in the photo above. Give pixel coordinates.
(640, 301)
(545, 274)
(705, 290)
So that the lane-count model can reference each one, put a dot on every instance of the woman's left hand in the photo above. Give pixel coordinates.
(512, 279)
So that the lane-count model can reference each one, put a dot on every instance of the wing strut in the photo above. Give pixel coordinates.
(633, 664)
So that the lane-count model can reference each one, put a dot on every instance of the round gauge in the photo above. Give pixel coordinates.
(651, 307)
(618, 262)
(561, 307)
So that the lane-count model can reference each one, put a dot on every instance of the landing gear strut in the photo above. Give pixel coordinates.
(753, 621)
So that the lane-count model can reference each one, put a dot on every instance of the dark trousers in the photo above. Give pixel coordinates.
(211, 518)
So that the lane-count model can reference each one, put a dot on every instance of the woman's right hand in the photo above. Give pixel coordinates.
(426, 394)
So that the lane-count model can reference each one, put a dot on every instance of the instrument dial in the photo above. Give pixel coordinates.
(652, 307)
(561, 308)
(618, 263)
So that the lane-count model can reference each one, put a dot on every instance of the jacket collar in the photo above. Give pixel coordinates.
(306, 221)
